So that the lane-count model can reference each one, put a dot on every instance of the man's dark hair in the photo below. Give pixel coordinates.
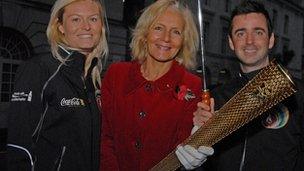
(247, 7)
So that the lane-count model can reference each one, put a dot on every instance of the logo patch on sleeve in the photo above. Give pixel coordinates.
(277, 119)
(21, 96)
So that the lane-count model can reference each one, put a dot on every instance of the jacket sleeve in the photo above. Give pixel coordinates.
(108, 157)
(300, 101)
(187, 122)
(23, 114)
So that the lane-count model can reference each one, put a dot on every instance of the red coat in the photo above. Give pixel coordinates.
(142, 121)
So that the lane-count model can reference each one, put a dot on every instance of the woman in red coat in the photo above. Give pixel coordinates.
(148, 104)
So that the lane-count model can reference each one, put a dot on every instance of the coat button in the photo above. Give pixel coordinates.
(142, 114)
(148, 87)
(138, 144)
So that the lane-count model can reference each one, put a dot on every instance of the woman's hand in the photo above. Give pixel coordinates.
(203, 113)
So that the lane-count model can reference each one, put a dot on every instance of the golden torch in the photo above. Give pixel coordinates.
(269, 87)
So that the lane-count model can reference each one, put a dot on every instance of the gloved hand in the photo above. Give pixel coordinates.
(194, 129)
(192, 158)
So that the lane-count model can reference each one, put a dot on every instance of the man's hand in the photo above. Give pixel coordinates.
(192, 158)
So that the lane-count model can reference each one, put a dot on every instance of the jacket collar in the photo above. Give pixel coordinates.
(167, 82)
(73, 58)
(249, 75)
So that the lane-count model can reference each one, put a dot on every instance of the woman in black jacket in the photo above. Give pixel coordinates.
(53, 119)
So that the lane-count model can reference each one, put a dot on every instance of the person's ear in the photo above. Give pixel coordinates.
(61, 29)
(271, 41)
(231, 45)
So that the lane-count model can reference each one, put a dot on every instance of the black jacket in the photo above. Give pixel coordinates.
(255, 147)
(53, 119)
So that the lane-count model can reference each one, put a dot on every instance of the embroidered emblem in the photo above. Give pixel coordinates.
(21, 96)
(262, 92)
(183, 93)
(98, 99)
(74, 102)
(277, 119)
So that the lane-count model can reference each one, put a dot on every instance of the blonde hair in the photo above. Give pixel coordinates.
(187, 54)
(56, 38)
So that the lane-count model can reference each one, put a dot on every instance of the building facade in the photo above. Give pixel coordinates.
(23, 24)
(287, 18)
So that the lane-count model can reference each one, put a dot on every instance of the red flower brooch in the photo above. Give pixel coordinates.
(184, 93)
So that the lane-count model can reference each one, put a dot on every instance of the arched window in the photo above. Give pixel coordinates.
(14, 48)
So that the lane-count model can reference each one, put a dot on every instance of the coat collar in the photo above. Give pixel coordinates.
(167, 82)
(249, 75)
(73, 58)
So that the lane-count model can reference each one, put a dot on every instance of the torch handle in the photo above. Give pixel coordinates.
(206, 97)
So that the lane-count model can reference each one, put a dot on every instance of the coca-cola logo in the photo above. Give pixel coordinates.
(72, 102)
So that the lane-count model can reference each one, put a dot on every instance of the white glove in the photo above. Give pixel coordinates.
(194, 129)
(192, 158)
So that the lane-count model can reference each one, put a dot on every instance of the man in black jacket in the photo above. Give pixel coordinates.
(275, 140)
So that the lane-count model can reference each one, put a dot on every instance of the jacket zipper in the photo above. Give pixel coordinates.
(61, 158)
(244, 152)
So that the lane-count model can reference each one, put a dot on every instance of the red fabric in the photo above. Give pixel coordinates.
(166, 123)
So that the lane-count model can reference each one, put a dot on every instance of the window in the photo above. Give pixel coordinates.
(303, 35)
(206, 2)
(14, 47)
(302, 67)
(132, 11)
(274, 18)
(224, 40)
(227, 5)
(285, 45)
(206, 31)
(286, 23)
